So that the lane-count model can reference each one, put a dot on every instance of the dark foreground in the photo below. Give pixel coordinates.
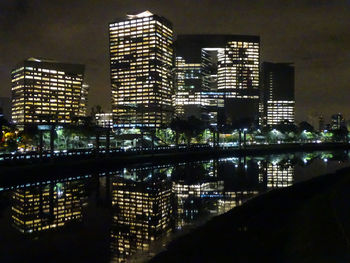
(307, 222)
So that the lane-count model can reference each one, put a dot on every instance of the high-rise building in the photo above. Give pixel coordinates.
(278, 101)
(187, 99)
(141, 61)
(83, 100)
(337, 121)
(46, 91)
(104, 120)
(229, 75)
(321, 124)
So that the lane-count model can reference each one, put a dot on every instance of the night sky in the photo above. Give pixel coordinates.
(314, 34)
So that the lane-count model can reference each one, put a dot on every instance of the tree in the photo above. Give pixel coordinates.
(193, 128)
(28, 137)
(305, 126)
(177, 125)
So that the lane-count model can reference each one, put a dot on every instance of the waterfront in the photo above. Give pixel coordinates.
(134, 211)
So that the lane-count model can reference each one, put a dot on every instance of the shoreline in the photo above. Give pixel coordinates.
(27, 172)
(306, 222)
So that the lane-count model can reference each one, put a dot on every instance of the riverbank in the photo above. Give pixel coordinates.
(28, 171)
(307, 222)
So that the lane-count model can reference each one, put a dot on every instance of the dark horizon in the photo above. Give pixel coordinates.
(312, 35)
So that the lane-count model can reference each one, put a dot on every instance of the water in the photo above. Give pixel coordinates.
(130, 214)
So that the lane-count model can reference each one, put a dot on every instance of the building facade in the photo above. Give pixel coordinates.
(141, 61)
(229, 76)
(278, 100)
(45, 91)
(104, 120)
(337, 121)
(187, 99)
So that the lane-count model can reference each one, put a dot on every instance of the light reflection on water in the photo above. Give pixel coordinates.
(129, 214)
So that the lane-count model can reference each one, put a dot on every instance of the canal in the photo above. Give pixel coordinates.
(130, 214)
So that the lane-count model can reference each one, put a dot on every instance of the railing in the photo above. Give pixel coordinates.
(90, 153)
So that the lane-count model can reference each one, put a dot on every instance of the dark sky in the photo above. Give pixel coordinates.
(314, 34)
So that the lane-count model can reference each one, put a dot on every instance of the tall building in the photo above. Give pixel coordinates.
(45, 207)
(47, 91)
(278, 101)
(187, 100)
(321, 124)
(141, 61)
(337, 121)
(104, 120)
(229, 75)
(83, 100)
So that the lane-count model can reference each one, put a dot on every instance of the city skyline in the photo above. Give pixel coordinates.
(319, 66)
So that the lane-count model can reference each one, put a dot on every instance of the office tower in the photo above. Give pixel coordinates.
(229, 68)
(278, 93)
(141, 61)
(44, 207)
(47, 91)
(321, 124)
(187, 99)
(142, 213)
(83, 100)
(104, 120)
(337, 121)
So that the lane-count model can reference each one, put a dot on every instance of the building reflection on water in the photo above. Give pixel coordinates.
(149, 203)
(47, 206)
(142, 212)
(279, 175)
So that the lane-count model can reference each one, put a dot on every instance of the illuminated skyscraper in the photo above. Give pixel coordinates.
(104, 120)
(45, 207)
(229, 68)
(83, 100)
(142, 214)
(187, 99)
(141, 60)
(337, 121)
(321, 124)
(278, 93)
(45, 91)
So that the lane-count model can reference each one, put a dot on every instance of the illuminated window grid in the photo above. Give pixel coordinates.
(279, 176)
(142, 214)
(233, 199)
(141, 61)
(44, 95)
(42, 208)
(238, 66)
(278, 111)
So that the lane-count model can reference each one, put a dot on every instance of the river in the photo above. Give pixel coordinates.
(129, 214)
